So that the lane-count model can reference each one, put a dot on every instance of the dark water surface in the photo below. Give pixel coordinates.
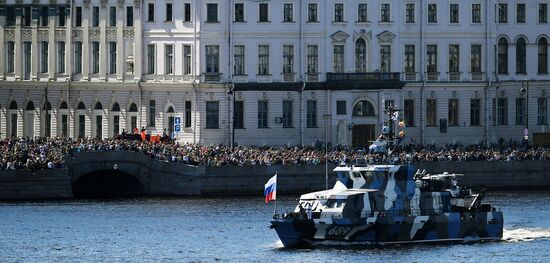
(232, 230)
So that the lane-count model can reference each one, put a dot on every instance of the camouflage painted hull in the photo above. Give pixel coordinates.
(447, 227)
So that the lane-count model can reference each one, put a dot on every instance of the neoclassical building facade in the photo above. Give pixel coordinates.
(288, 72)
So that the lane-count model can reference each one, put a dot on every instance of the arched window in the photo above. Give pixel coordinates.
(543, 55)
(360, 55)
(81, 106)
(502, 56)
(63, 105)
(47, 106)
(521, 56)
(363, 108)
(170, 110)
(133, 107)
(116, 107)
(13, 105)
(30, 106)
(98, 106)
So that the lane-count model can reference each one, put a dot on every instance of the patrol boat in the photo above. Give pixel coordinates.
(389, 204)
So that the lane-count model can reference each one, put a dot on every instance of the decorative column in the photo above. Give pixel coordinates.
(138, 52)
(2, 58)
(52, 54)
(103, 52)
(35, 54)
(69, 48)
(120, 50)
(86, 59)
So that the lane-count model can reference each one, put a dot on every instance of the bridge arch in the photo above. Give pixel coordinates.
(107, 184)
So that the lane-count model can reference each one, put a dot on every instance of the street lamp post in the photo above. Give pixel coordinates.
(231, 92)
(525, 90)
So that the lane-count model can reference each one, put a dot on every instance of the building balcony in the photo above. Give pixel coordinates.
(370, 76)
(212, 77)
(365, 81)
(454, 76)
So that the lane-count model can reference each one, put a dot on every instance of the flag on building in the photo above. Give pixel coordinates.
(270, 190)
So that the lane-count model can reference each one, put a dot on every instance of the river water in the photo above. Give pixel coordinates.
(232, 230)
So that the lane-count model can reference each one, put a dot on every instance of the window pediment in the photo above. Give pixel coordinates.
(386, 37)
(339, 37)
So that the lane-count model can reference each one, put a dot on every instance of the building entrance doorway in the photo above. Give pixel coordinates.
(362, 135)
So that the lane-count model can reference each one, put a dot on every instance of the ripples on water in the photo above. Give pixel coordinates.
(232, 230)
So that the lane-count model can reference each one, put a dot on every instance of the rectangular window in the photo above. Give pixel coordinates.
(61, 16)
(239, 12)
(10, 16)
(312, 12)
(27, 59)
(188, 114)
(187, 12)
(186, 59)
(60, 57)
(542, 56)
(44, 57)
(44, 13)
(432, 13)
(385, 58)
(385, 13)
(168, 59)
(168, 12)
(262, 113)
(212, 114)
(431, 112)
(95, 57)
(239, 65)
(410, 58)
(453, 112)
(454, 58)
(238, 114)
(116, 124)
(212, 58)
(27, 16)
(150, 12)
(341, 107)
(10, 62)
(129, 16)
(263, 12)
(338, 60)
(503, 13)
(311, 117)
(312, 59)
(112, 57)
(81, 125)
(78, 16)
(95, 16)
(520, 111)
(432, 58)
(520, 13)
(409, 13)
(112, 15)
(98, 126)
(475, 112)
(288, 59)
(453, 14)
(543, 13)
(287, 114)
(64, 125)
(476, 13)
(263, 60)
(542, 116)
(408, 112)
(339, 12)
(212, 13)
(475, 59)
(502, 111)
(151, 59)
(288, 12)
(152, 113)
(362, 13)
(77, 57)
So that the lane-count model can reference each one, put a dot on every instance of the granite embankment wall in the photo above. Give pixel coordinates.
(160, 178)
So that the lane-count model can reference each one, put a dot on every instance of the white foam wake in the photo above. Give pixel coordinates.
(525, 234)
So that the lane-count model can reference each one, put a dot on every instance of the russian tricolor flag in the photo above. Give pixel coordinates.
(270, 190)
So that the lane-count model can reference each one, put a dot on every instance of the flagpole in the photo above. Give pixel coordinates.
(275, 209)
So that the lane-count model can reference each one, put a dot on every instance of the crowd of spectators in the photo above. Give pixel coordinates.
(42, 153)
